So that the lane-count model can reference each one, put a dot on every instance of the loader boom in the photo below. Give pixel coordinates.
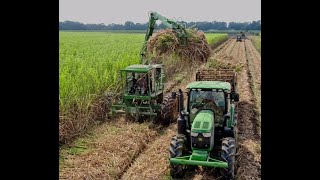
(176, 26)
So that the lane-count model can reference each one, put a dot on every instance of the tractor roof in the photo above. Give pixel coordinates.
(209, 85)
(141, 67)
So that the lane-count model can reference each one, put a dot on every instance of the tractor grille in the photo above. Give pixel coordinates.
(200, 142)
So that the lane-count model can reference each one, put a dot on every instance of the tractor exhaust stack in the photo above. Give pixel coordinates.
(181, 121)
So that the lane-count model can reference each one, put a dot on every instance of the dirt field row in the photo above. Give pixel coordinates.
(254, 66)
(129, 150)
(248, 157)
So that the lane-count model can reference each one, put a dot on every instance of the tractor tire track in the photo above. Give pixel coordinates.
(254, 66)
(221, 47)
(105, 152)
(248, 157)
(231, 47)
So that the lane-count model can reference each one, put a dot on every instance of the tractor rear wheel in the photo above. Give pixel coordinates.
(177, 148)
(228, 150)
(168, 110)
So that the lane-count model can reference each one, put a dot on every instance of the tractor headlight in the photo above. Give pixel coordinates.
(206, 134)
(194, 134)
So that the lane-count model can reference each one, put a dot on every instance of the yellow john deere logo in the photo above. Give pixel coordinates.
(199, 139)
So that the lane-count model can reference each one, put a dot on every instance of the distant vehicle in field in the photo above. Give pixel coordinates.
(243, 35)
(239, 39)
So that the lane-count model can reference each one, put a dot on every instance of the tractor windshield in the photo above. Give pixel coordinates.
(137, 83)
(204, 99)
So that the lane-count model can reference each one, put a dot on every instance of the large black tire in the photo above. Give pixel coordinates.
(228, 150)
(169, 110)
(177, 149)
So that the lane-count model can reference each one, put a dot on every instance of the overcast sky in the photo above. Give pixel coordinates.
(119, 11)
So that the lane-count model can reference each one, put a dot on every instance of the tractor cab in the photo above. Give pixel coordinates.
(142, 95)
(215, 90)
(143, 80)
(209, 95)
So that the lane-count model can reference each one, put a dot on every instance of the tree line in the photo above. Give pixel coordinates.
(128, 25)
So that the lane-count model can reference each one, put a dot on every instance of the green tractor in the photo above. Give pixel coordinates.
(207, 126)
(143, 95)
(239, 39)
(144, 85)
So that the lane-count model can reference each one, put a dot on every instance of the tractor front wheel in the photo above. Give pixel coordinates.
(177, 147)
(228, 150)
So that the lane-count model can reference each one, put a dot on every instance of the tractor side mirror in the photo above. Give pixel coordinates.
(235, 97)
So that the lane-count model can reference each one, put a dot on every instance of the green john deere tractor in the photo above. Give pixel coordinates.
(144, 85)
(207, 128)
(143, 95)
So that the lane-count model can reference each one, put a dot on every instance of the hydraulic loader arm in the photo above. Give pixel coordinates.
(182, 34)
